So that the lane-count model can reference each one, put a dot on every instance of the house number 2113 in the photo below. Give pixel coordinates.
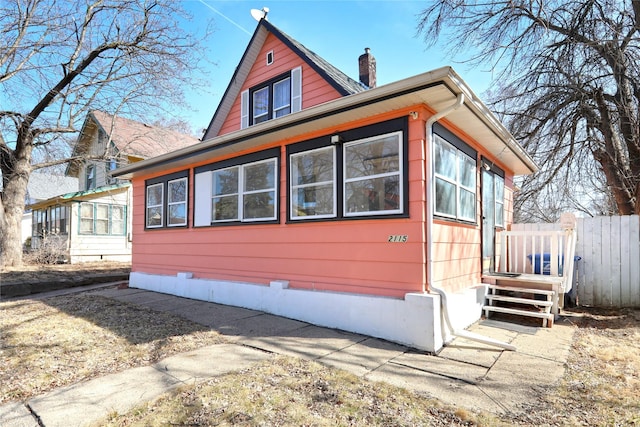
(398, 238)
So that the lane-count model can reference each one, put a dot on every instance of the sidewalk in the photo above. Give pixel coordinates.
(465, 374)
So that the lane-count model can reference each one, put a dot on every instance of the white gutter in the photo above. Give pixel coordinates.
(444, 305)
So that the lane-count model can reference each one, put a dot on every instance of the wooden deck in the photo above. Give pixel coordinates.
(533, 263)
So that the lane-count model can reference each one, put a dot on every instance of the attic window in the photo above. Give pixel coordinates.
(271, 99)
(270, 58)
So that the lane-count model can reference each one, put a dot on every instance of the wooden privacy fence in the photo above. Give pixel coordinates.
(608, 273)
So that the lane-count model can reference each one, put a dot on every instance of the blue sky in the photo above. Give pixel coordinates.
(336, 30)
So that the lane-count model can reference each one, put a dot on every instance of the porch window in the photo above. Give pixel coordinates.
(102, 219)
(238, 190)
(177, 202)
(313, 183)
(166, 203)
(455, 181)
(498, 183)
(155, 201)
(357, 173)
(117, 220)
(245, 192)
(50, 220)
(372, 175)
(86, 218)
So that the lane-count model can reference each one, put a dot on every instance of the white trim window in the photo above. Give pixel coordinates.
(498, 185)
(86, 218)
(271, 99)
(177, 202)
(455, 182)
(282, 98)
(117, 219)
(245, 192)
(102, 219)
(313, 183)
(373, 183)
(155, 202)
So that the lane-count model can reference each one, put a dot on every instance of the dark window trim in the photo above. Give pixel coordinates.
(452, 139)
(258, 156)
(164, 180)
(355, 134)
(269, 83)
(235, 161)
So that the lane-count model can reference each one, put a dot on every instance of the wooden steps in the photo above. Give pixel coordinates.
(520, 305)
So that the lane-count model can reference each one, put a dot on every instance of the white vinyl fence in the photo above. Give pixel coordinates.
(608, 273)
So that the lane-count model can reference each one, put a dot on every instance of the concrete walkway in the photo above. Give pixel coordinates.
(465, 373)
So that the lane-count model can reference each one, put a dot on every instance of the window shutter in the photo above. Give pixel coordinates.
(244, 109)
(296, 89)
(202, 199)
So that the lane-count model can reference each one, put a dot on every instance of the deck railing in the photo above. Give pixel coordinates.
(548, 252)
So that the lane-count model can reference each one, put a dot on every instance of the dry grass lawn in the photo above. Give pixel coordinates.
(63, 340)
(600, 388)
(58, 341)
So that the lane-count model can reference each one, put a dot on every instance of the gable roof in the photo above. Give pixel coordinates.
(140, 139)
(341, 82)
(129, 137)
(438, 89)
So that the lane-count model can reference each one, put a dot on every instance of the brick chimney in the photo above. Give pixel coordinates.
(367, 66)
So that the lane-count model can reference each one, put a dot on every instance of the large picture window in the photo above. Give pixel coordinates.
(313, 183)
(245, 192)
(167, 201)
(455, 181)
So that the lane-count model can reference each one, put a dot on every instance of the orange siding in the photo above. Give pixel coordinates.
(315, 90)
(346, 255)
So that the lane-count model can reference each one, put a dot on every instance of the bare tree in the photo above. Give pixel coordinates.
(569, 91)
(58, 60)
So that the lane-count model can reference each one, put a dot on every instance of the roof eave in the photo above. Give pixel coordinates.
(364, 101)
(80, 195)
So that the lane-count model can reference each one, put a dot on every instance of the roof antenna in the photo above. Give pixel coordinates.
(260, 14)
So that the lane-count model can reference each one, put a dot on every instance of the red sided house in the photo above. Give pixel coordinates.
(319, 198)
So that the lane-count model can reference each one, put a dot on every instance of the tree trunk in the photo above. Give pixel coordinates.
(12, 208)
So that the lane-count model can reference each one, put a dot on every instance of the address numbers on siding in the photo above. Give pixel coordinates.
(398, 238)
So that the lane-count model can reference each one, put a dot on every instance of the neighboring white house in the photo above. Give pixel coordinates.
(94, 223)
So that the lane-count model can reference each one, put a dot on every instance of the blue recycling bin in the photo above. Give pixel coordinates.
(542, 264)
